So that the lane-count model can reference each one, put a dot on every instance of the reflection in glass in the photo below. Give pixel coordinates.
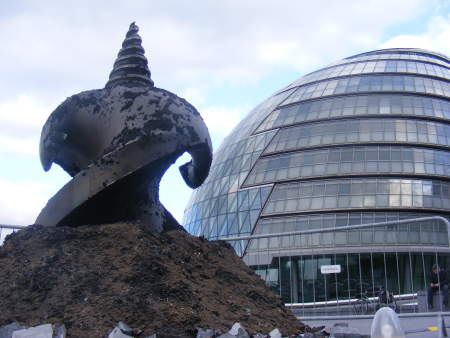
(362, 190)
(349, 160)
(358, 131)
(370, 83)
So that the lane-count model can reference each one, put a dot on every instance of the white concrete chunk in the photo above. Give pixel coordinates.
(60, 331)
(41, 331)
(117, 333)
(239, 331)
(275, 333)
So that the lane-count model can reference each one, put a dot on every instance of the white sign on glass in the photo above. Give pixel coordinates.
(324, 269)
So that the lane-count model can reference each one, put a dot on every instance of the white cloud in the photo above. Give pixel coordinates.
(14, 145)
(436, 38)
(22, 200)
(189, 44)
(24, 111)
(194, 96)
(221, 120)
(21, 120)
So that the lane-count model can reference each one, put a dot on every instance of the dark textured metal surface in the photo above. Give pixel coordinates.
(117, 142)
(131, 63)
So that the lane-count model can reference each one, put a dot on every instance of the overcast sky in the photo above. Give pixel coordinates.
(224, 56)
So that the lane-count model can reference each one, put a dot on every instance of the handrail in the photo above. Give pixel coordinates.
(349, 301)
(18, 227)
(348, 227)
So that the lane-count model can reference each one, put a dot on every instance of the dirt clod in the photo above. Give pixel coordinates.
(91, 277)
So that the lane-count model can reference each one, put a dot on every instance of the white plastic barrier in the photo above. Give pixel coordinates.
(386, 324)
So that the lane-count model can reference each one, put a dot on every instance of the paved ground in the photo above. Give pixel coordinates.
(413, 326)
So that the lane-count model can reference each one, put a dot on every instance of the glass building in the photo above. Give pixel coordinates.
(364, 140)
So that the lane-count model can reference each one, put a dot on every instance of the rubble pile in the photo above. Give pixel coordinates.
(122, 330)
(91, 277)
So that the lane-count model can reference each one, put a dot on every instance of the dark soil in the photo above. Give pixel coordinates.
(91, 277)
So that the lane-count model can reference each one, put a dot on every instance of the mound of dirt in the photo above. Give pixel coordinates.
(91, 277)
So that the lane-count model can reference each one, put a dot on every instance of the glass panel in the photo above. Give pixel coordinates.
(405, 273)
(366, 274)
(309, 271)
(285, 279)
(322, 286)
(272, 276)
(343, 277)
(392, 273)
(379, 274)
(354, 275)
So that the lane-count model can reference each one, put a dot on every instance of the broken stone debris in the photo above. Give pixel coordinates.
(275, 333)
(117, 333)
(122, 330)
(60, 331)
(8, 330)
(128, 330)
(345, 332)
(14, 330)
(207, 333)
(259, 335)
(41, 331)
(125, 328)
(239, 331)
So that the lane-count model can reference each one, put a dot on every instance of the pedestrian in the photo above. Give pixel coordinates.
(438, 281)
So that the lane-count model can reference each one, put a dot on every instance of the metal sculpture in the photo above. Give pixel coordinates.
(117, 142)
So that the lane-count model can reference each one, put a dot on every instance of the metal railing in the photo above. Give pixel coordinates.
(348, 227)
(14, 227)
(6, 229)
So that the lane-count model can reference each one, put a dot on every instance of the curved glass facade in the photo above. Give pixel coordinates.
(357, 193)
(350, 161)
(365, 140)
(358, 105)
(394, 56)
(358, 131)
(371, 83)
(379, 66)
